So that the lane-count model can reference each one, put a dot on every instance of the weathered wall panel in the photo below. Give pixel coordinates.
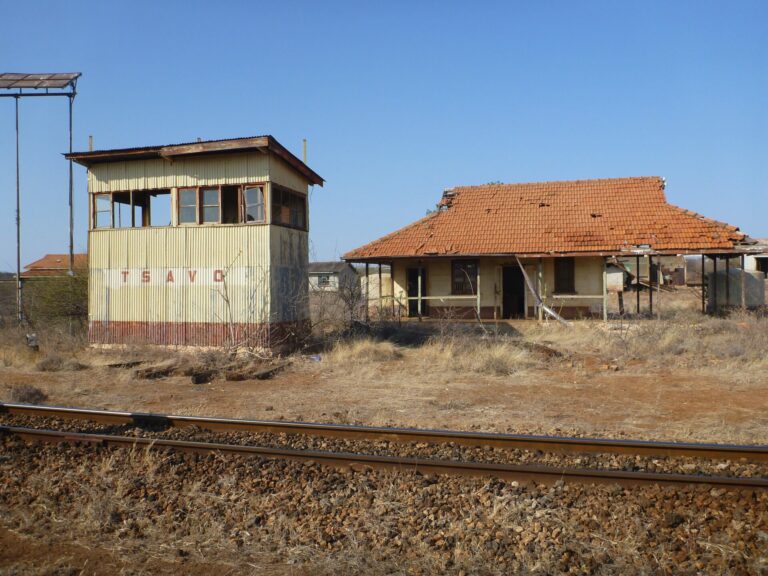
(288, 265)
(282, 173)
(200, 171)
(185, 274)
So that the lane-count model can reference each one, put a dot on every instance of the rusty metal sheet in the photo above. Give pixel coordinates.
(11, 80)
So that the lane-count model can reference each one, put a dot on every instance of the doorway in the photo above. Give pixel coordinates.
(513, 292)
(412, 288)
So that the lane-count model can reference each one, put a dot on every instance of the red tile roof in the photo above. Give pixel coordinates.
(612, 215)
(54, 265)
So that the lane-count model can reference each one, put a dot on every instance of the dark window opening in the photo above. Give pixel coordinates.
(229, 205)
(288, 208)
(565, 279)
(463, 277)
(253, 198)
(323, 280)
(762, 265)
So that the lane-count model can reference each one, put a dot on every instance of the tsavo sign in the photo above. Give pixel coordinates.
(181, 277)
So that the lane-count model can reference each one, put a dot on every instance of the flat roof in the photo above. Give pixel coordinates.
(10, 80)
(199, 148)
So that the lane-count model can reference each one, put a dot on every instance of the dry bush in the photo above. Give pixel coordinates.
(55, 363)
(496, 356)
(362, 350)
(27, 394)
(14, 350)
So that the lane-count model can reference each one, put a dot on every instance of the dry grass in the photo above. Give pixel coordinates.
(491, 356)
(442, 354)
(361, 351)
(684, 339)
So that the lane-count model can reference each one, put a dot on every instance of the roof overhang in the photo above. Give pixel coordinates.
(627, 254)
(262, 144)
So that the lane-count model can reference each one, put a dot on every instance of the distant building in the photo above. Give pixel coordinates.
(491, 251)
(198, 244)
(54, 265)
(331, 276)
(758, 262)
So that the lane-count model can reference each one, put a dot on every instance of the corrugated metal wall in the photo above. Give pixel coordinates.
(186, 275)
(201, 171)
(282, 173)
(289, 262)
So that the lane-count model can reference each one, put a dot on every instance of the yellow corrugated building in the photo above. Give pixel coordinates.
(198, 244)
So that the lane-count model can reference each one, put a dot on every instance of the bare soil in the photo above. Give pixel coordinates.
(594, 388)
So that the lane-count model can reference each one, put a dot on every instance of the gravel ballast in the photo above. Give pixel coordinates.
(255, 514)
(452, 452)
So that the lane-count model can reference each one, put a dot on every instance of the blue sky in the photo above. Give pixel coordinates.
(399, 100)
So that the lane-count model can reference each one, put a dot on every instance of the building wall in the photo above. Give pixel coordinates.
(588, 282)
(194, 171)
(332, 286)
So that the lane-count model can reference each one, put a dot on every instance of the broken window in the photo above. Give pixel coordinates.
(463, 277)
(159, 211)
(187, 205)
(121, 205)
(102, 211)
(253, 198)
(288, 208)
(323, 280)
(565, 277)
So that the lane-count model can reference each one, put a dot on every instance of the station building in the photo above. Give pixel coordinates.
(198, 244)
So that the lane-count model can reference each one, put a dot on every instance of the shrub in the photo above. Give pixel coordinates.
(55, 363)
(27, 394)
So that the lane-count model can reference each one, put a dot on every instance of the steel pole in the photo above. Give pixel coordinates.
(19, 315)
(71, 194)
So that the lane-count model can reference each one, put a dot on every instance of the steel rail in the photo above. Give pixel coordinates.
(342, 460)
(497, 440)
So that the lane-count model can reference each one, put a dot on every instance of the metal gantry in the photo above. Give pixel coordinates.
(22, 85)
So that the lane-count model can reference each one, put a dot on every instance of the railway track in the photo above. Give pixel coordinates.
(545, 474)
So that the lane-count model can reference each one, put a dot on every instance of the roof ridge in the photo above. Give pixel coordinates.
(550, 182)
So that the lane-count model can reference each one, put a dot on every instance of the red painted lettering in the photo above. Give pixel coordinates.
(218, 276)
(145, 276)
(125, 276)
(192, 275)
(169, 277)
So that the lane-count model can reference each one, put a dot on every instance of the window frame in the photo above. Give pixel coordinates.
(463, 262)
(323, 280)
(96, 212)
(277, 188)
(244, 204)
(571, 288)
(201, 206)
(179, 206)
